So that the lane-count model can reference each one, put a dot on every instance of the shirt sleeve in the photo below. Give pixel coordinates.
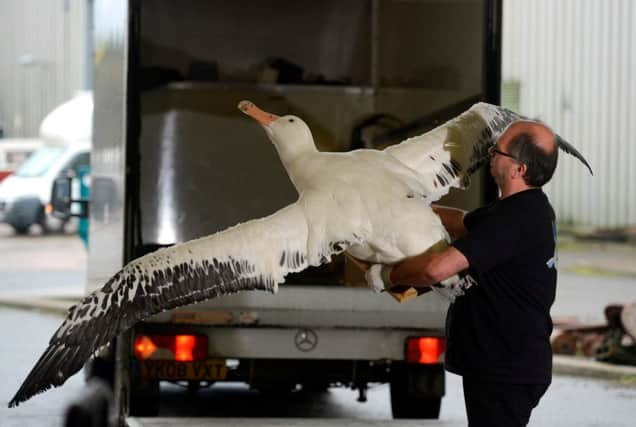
(490, 241)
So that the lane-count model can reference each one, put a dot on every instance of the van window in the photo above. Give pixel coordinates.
(10, 158)
(80, 160)
(40, 161)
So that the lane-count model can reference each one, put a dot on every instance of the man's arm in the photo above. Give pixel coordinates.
(428, 269)
(452, 219)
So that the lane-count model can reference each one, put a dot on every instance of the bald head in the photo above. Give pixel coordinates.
(541, 135)
(534, 145)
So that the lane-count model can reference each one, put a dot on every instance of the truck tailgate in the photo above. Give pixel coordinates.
(316, 306)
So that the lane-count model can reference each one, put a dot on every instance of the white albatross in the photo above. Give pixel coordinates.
(373, 204)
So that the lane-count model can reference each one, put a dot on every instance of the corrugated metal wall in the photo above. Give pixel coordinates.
(575, 61)
(42, 60)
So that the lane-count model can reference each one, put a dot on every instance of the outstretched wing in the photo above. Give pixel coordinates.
(447, 155)
(450, 153)
(498, 118)
(254, 255)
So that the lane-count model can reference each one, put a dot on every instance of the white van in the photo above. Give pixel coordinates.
(14, 151)
(25, 196)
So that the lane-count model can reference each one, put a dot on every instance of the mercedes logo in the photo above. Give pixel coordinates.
(305, 340)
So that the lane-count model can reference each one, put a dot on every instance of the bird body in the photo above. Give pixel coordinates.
(353, 198)
(373, 204)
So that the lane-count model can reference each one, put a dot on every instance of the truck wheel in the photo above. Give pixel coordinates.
(415, 408)
(101, 368)
(407, 403)
(92, 407)
(144, 398)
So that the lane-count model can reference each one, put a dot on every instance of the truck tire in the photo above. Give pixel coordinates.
(92, 407)
(102, 368)
(144, 398)
(407, 401)
(424, 408)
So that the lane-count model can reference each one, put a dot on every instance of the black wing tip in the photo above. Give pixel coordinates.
(22, 395)
(30, 388)
(17, 399)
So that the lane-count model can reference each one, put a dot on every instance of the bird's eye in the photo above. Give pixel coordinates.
(291, 120)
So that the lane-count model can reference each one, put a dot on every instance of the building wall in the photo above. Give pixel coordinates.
(42, 60)
(573, 63)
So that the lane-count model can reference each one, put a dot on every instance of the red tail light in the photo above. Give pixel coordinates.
(182, 348)
(425, 350)
(144, 347)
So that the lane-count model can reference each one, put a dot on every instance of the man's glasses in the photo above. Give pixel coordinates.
(492, 151)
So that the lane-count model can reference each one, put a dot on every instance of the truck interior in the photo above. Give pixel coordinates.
(362, 74)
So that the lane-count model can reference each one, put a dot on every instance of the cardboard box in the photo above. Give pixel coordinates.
(354, 270)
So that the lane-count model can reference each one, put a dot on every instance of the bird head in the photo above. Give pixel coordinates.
(290, 134)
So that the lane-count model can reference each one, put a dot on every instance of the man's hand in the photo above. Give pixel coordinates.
(452, 219)
(378, 277)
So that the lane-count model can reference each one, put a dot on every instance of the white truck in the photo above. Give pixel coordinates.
(173, 159)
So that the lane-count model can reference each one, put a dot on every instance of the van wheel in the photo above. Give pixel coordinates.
(41, 220)
(51, 225)
(21, 229)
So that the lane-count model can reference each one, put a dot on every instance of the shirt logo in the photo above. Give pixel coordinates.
(552, 262)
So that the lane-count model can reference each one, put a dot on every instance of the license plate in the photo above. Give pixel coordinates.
(202, 370)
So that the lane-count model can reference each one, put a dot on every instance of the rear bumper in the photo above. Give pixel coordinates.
(288, 356)
(298, 342)
(288, 372)
(308, 335)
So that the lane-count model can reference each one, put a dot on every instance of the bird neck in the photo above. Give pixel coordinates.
(289, 153)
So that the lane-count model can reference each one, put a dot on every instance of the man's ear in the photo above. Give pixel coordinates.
(520, 170)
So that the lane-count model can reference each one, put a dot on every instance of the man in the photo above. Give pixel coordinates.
(498, 332)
